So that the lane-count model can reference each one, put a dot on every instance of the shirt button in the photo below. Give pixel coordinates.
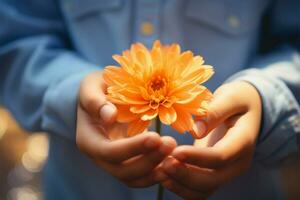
(147, 28)
(233, 21)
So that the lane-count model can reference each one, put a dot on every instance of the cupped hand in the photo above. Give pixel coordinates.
(226, 150)
(132, 160)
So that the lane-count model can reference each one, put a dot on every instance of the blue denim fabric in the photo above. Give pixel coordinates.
(47, 47)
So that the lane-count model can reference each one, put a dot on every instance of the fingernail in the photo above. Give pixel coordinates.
(160, 176)
(151, 144)
(107, 112)
(199, 128)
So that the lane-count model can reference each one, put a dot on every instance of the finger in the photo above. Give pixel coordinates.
(123, 149)
(237, 142)
(93, 99)
(242, 134)
(153, 178)
(205, 180)
(88, 136)
(143, 165)
(90, 140)
(192, 177)
(201, 157)
(183, 191)
(140, 166)
(223, 106)
(212, 138)
(143, 182)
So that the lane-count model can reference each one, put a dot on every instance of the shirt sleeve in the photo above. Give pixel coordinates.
(278, 82)
(39, 75)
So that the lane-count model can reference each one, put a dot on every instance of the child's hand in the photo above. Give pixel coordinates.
(132, 160)
(234, 116)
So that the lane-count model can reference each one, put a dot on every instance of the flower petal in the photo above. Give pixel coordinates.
(198, 106)
(171, 56)
(125, 64)
(139, 108)
(200, 75)
(114, 75)
(124, 115)
(125, 97)
(149, 115)
(180, 96)
(186, 96)
(156, 56)
(167, 115)
(144, 93)
(137, 127)
(156, 44)
(184, 121)
(182, 63)
(195, 63)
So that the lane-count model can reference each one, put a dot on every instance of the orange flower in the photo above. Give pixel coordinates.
(159, 82)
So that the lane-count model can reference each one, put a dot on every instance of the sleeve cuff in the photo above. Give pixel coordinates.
(60, 100)
(279, 128)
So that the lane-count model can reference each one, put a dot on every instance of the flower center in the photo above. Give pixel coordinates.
(157, 89)
(157, 83)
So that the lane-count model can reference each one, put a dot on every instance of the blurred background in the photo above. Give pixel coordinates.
(22, 157)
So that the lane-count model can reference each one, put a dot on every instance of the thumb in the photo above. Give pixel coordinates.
(224, 105)
(108, 112)
(93, 99)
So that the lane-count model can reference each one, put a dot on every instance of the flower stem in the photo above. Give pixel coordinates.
(160, 191)
(157, 125)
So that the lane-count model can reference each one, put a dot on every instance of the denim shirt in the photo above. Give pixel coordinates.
(47, 47)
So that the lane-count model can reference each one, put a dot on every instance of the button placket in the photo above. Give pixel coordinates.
(147, 21)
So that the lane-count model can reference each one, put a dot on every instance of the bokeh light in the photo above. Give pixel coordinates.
(3, 125)
(37, 151)
(22, 157)
(24, 193)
